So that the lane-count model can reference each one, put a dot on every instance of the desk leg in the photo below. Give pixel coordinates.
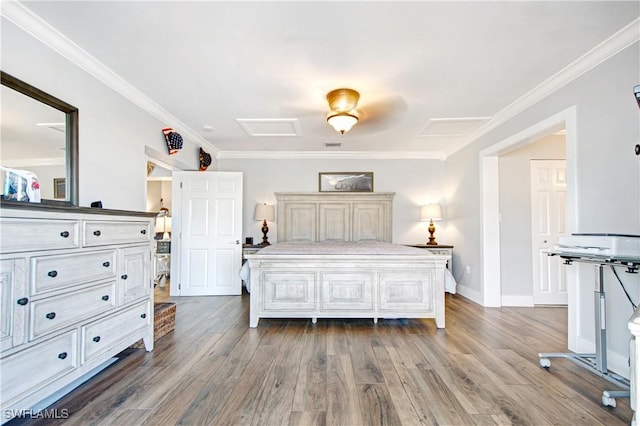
(600, 318)
(595, 362)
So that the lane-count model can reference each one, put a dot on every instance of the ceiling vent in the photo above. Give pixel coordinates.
(270, 126)
(452, 126)
(333, 144)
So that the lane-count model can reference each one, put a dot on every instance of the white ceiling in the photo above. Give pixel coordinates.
(434, 71)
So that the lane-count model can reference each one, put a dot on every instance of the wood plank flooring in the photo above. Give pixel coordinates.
(215, 370)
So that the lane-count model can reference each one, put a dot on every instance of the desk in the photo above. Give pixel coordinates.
(438, 249)
(596, 362)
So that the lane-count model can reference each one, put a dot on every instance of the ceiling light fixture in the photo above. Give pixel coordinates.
(343, 115)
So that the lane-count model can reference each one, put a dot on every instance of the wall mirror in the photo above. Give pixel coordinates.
(39, 134)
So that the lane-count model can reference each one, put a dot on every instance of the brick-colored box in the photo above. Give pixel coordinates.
(164, 321)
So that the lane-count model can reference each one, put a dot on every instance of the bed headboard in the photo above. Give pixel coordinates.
(331, 216)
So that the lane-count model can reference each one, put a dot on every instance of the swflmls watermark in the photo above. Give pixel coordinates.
(54, 413)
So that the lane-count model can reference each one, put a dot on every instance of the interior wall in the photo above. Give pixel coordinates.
(158, 190)
(113, 132)
(515, 210)
(415, 182)
(607, 184)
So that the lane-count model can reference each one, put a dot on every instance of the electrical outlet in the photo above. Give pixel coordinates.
(467, 270)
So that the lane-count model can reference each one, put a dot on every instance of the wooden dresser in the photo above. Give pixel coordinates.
(76, 289)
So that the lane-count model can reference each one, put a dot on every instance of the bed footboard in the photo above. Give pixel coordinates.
(343, 287)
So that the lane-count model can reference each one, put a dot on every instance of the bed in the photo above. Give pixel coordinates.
(334, 259)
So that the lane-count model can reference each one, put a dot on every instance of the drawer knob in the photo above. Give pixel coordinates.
(52, 274)
(106, 264)
(105, 297)
(143, 232)
(143, 316)
(97, 233)
(64, 234)
(51, 315)
(124, 277)
(96, 339)
(22, 301)
(62, 355)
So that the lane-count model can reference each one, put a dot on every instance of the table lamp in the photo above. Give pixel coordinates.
(264, 212)
(429, 213)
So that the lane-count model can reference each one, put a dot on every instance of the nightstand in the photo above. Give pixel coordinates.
(249, 249)
(438, 249)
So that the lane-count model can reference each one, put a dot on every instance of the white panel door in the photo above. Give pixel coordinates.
(548, 222)
(209, 219)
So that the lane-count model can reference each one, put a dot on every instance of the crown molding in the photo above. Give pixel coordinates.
(331, 155)
(622, 39)
(38, 28)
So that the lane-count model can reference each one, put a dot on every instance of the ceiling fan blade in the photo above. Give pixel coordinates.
(324, 130)
(381, 115)
(295, 112)
(394, 105)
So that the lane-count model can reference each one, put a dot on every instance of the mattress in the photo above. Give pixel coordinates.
(342, 248)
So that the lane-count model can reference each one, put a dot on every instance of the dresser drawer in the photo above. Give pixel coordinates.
(446, 252)
(33, 234)
(28, 370)
(52, 313)
(101, 233)
(101, 335)
(52, 272)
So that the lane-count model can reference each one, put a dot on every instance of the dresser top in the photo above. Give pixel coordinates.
(61, 208)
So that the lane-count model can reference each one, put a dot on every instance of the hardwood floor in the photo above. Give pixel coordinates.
(215, 370)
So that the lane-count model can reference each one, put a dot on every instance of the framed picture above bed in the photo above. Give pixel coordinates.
(345, 182)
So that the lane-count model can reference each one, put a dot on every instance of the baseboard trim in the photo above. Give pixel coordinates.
(470, 294)
(520, 301)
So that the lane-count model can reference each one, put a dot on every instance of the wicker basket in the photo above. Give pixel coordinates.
(164, 321)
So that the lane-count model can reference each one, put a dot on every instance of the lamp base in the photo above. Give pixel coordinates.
(432, 239)
(265, 229)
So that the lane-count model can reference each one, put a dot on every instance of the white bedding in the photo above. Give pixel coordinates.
(360, 247)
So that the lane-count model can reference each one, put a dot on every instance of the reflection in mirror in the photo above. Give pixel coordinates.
(39, 135)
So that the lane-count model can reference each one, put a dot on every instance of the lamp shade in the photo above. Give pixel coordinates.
(163, 224)
(342, 121)
(159, 225)
(264, 212)
(430, 212)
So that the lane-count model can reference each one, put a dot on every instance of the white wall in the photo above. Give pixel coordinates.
(607, 185)
(515, 209)
(415, 182)
(158, 190)
(113, 132)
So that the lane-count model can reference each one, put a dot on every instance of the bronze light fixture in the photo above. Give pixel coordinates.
(342, 103)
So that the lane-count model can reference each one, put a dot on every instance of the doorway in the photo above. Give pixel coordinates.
(491, 277)
(159, 199)
(532, 211)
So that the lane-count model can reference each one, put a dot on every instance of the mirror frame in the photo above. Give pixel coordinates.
(71, 132)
